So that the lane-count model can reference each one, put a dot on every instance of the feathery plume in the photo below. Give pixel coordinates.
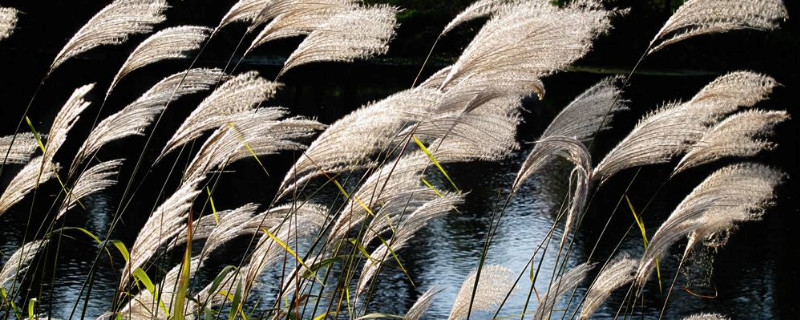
(616, 274)
(296, 17)
(144, 304)
(564, 283)
(591, 110)
(435, 80)
(530, 39)
(248, 134)
(375, 125)
(65, 119)
(494, 284)
(161, 227)
(23, 148)
(706, 316)
(477, 9)
(736, 136)
(135, 117)
(170, 43)
(406, 228)
(243, 11)
(308, 219)
(355, 34)
(112, 26)
(26, 180)
(8, 21)
(92, 180)
(239, 94)
(733, 194)
(671, 130)
(20, 260)
(699, 17)
(422, 304)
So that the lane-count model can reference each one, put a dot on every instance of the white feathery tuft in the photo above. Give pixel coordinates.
(494, 284)
(170, 43)
(614, 275)
(422, 304)
(93, 180)
(296, 17)
(26, 180)
(563, 284)
(19, 261)
(65, 119)
(21, 150)
(112, 26)
(699, 17)
(8, 21)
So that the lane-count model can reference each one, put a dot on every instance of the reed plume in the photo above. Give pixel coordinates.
(422, 304)
(736, 136)
(494, 284)
(375, 125)
(243, 11)
(580, 119)
(26, 180)
(19, 261)
(730, 195)
(530, 39)
(135, 117)
(163, 225)
(405, 227)
(8, 21)
(477, 9)
(563, 284)
(241, 93)
(674, 128)
(112, 26)
(23, 148)
(614, 275)
(94, 179)
(65, 119)
(416, 205)
(145, 305)
(170, 43)
(249, 134)
(699, 17)
(355, 34)
(297, 17)
(706, 316)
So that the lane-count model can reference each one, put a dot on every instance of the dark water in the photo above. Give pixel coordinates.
(754, 276)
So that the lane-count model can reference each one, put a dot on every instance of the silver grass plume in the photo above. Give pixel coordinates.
(733, 194)
(94, 179)
(580, 119)
(494, 284)
(418, 204)
(112, 26)
(20, 260)
(8, 21)
(422, 304)
(614, 275)
(706, 316)
(239, 94)
(26, 180)
(248, 134)
(532, 39)
(274, 219)
(300, 222)
(238, 222)
(485, 133)
(135, 117)
(142, 305)
(435, 80)
(477, 9)
(163, 225)
(405, 228)
(65, 119)
(563, 284)
(477, 90)
(355, 34)
(698, 17)
(736, 136)
(297, 17)
(375, 126)
(390, 185)
(23, 148)
(170, 43)
(672, 129)
(244, 11)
